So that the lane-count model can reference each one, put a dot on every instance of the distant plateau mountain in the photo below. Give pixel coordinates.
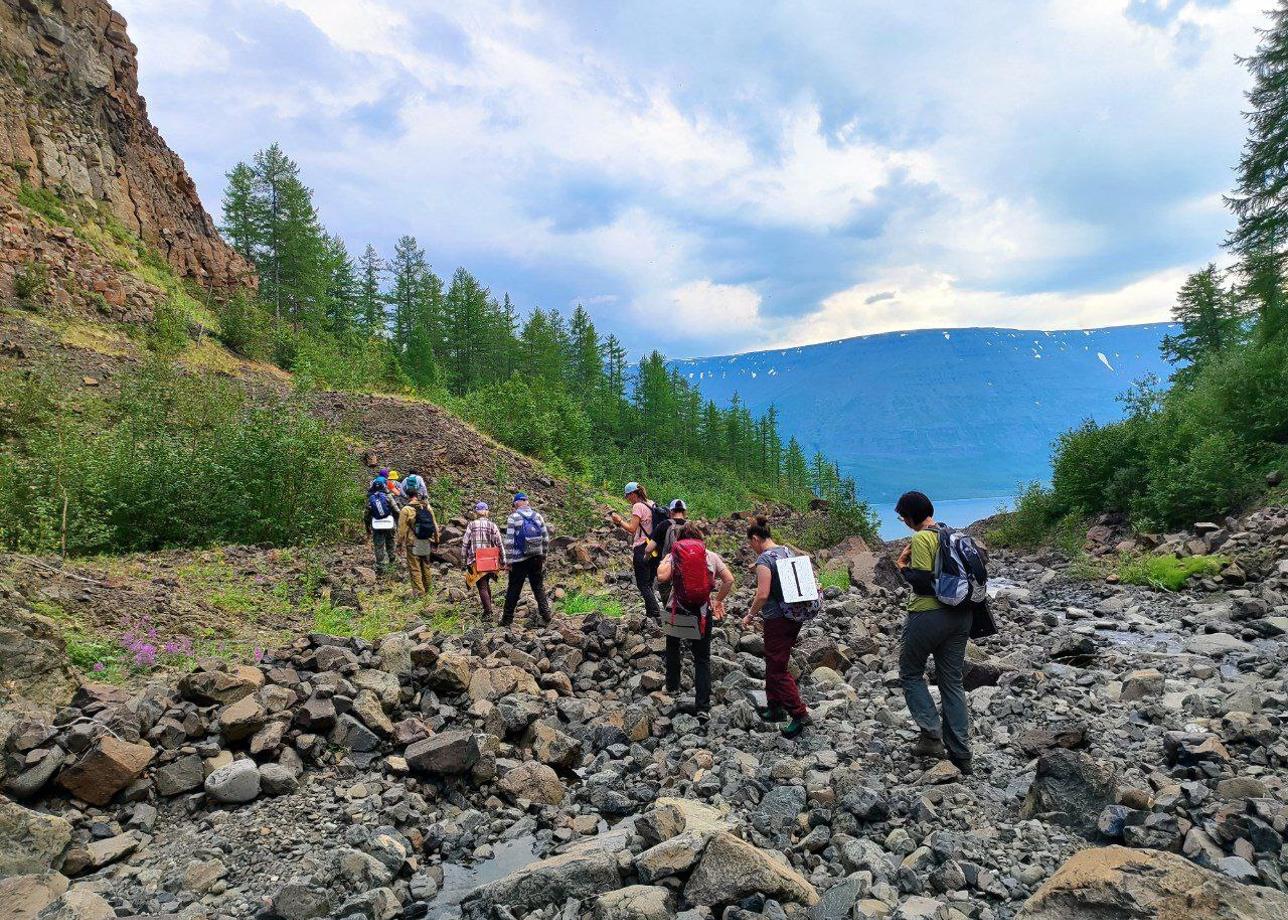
(958, 413)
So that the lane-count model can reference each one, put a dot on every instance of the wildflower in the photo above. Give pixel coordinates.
(259, 654)
(99, 666)
(145, 656)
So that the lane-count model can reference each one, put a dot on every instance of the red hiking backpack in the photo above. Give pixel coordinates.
(690, 577)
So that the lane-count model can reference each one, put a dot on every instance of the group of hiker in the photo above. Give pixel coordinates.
(684, 584)
(399, 518)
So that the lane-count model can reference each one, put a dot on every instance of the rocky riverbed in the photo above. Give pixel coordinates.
(1129, 762)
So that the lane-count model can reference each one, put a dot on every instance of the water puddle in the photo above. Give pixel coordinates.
(507, 856)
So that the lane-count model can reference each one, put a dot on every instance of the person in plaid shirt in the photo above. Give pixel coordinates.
(480, 533)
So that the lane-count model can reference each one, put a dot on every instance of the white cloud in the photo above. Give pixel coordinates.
(926, 300)
(707, 163)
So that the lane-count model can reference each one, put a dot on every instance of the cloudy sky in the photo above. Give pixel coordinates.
(718, 176)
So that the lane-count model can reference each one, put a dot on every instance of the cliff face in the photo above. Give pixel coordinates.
(72, 121)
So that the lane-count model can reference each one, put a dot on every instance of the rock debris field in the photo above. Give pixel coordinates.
(1129, 763)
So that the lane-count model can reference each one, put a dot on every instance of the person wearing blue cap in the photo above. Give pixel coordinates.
(526, 538)
(645, 515)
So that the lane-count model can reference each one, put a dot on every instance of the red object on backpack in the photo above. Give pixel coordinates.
(690, 576)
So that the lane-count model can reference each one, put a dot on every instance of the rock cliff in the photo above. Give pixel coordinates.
(72, 122)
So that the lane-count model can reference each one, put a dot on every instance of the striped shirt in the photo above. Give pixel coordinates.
(533, 546)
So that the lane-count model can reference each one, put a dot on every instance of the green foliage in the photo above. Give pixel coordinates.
(576, 603)
(446, 497)
(245, 327)
(31, 284)
(1210, 320)
(167, 334)
(1167, 573)
(45, 203)
(549, 386)
(834, 576)
(174, 460)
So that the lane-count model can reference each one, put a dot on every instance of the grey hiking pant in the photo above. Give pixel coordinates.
(943, 634)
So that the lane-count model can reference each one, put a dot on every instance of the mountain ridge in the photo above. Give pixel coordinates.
(1026, 385)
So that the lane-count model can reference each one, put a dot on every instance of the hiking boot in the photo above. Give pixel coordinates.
(772, 713)
(963, 764)
(928, 745)
(797, 725)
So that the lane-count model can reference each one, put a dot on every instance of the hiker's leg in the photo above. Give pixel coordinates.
(950, 660)
(919, 635)
(426, 572)
(702, 673)
(791, 694)
(645, 575)
(780, 688)
(672, 665)
(413, 572)
(513, 587)
(484, 586)
(390, 554)
(378, 549)
(537, 578)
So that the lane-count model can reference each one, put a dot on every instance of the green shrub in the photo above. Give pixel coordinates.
(355, 364)
(244, 327)
(31, 284)
(175, 460)
(535, 418)
(167, 334)
(1167, 573)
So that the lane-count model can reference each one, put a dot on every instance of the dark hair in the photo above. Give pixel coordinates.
(640, 491)
(759, 528)
(411, 472)
(691, 531)
(914, 506)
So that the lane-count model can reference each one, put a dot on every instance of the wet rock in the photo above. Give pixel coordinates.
(105, 769)
(1149, 885)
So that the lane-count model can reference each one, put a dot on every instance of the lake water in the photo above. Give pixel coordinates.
(956, 512)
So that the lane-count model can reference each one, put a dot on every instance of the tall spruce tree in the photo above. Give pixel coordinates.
(1209, 320)
(243, 213)
(370, 297)
(1260, 198)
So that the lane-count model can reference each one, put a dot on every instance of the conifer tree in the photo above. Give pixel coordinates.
(242, 212)
(1260, 201)
(1209, 320)
(370, 306)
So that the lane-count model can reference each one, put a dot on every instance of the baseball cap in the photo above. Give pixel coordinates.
(480, 506)
(520, 497)
(677, 505)
(632, 487)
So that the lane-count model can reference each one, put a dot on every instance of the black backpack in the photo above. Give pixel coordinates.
(425, 527)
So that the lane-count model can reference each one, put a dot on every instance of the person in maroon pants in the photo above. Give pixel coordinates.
(781, 693)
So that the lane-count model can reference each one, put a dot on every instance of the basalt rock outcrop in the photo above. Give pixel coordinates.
(72, 122)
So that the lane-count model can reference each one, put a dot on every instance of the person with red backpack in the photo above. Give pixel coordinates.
(693, 571)
(645, 518)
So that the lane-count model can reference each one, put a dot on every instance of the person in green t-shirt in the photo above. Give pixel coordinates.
(931, 629)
